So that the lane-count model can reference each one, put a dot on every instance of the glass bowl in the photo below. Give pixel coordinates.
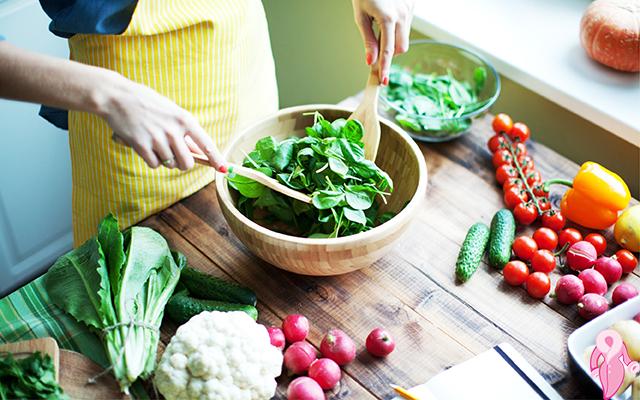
(424, 104)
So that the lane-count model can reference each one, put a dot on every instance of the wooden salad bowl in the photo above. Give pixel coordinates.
(398, 155)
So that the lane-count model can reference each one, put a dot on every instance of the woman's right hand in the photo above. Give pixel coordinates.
(159, 130)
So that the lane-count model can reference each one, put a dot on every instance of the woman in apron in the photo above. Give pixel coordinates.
(163, 78)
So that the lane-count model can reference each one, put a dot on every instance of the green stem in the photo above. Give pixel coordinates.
(564, 182)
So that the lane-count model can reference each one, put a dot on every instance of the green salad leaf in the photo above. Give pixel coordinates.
(329, 165)
(32, 377)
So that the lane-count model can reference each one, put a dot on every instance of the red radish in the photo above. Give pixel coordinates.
(304, 388)
(298, 357)
(339, 347)
(623, 292)
(581, 255)
(276, 336)
(569, 289)
(591, 305)
(326, 372)
(637, 318)
(593, 281)
(295, 328)
(379, 343)
(610, 269)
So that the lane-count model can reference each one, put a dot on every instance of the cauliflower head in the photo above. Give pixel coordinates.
(219, 355)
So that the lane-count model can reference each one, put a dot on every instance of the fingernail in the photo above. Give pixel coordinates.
(222, 169)
(369, 58)
(385, 80)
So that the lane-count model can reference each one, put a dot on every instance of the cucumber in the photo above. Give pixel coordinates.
(209, 287)
(181, 307)
(472, 250)
(503, 231)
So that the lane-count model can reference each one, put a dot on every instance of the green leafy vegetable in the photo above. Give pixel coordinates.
(32, 377)
(433, 102)
(118, 284)
(328, 164)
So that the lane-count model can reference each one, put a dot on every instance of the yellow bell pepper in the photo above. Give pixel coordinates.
(595, 198)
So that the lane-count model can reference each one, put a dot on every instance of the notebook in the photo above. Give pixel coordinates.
(497, 374)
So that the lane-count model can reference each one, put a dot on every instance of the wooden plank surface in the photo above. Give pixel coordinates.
(412, 292)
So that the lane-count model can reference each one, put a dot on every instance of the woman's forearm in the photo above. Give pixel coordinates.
(56, 82)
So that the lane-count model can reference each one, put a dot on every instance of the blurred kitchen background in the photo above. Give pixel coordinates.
(319, 59)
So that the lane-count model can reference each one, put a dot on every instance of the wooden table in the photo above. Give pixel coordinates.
(412, 292)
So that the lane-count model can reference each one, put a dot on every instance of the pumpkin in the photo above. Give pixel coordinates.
(610, 33)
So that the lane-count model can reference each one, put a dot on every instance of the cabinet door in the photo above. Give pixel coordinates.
(35, 168)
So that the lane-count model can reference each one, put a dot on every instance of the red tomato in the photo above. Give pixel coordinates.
(502, 123)
(553, 220)
(515, 196)
(512, 182)
(526, 163)
(520, 150)
(496, 142)
(598, 241)
(525, 213)
(545, 238)
(543, 261)
(544, 204)
(539, 191)
(533, 177)
(515, 272)
(502, 157)
(570, 236)
(524, 247)
(538, 285)
(519, 132)
(627, 260)
(505, 172)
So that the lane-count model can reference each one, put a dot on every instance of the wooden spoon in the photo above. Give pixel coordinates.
(258, 177)
(367, 113)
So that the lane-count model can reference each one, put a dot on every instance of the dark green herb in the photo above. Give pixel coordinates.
(328, 164)
(426, 99)
(32, 377)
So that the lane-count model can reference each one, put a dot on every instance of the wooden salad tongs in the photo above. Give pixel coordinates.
(367, 114)
(258, 177)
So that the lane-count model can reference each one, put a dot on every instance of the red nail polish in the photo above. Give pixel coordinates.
(222, 169)
(369, 58)
(385, 80)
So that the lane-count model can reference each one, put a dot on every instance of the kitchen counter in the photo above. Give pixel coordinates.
(412, 292)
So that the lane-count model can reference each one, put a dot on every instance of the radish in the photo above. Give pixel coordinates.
(379, 343)
(339, 347)
(581, 255)
(298, 357)
(637, 318)
(569, 289)
(304, 388)
(295, 328)
(610, 269)
(593, 281)
(623, 292)
(277, 337)
(591, 305)
(326, 372)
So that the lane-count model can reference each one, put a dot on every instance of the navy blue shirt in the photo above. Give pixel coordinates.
(68, 17)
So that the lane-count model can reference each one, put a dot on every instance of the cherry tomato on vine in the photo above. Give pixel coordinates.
(533, 177)
(496, 142)
(524, 247)
(543, 261)
(598, 241)
(570, 236)
(526, 163)
(512, 182)
(553, 220)
(525, 213)
(505, 172)
(545, 238)
(515, 272)
(544, 204)
(502, 157)
(627, 260)
(538, 285)
(539, 191)
(519, 132)
(502, 123)
(520, 149)
(515, 196)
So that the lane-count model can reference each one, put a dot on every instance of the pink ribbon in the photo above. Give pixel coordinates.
(615, 359)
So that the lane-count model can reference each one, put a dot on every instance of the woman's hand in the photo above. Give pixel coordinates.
(393, 18)
(159, 130)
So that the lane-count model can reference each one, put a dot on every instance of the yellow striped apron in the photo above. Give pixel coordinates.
(212, 57)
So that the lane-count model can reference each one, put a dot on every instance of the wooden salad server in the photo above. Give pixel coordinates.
(258, 177)
(367, 114)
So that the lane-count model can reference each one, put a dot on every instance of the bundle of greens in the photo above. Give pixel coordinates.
(433, 102)
(329, 165)
(32, 377)
(118, 284)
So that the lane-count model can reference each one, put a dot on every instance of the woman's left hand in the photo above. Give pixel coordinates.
(393, 18)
